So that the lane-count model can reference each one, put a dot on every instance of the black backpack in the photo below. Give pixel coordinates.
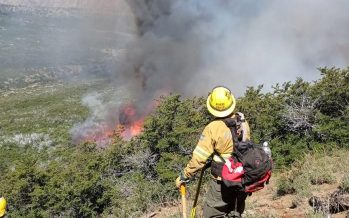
(248, 169)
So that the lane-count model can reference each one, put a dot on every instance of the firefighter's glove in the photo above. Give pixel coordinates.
(182, 179)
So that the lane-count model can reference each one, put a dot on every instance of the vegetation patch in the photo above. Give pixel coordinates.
(45, 175)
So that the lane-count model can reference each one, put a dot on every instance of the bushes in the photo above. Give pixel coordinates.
(299, 119)
(172, 132)
(56, 187)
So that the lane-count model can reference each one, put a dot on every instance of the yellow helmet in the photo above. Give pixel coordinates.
(2, 206)
(221, 102)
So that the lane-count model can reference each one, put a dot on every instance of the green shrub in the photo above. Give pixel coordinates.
(82, 181)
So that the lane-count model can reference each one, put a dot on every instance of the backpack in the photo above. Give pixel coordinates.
(248, 169)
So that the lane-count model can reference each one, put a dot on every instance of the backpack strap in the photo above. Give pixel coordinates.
(219, 156)
(231, 124)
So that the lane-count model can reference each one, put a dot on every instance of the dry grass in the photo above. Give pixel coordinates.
(302, 179)
(345, 183)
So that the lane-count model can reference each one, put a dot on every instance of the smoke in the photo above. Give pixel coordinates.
(100, 122)
(192, 46)
(183, 46)
(151, 47)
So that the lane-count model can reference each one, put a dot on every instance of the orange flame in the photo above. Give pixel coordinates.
(129, 119)
(133, 129)
(137, 127)
(130, 124)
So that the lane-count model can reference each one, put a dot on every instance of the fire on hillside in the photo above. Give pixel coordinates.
(130, 121)
(129, 124)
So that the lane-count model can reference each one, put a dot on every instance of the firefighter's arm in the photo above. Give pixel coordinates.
(202, 151)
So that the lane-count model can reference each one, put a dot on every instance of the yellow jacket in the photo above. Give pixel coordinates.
(216, 135)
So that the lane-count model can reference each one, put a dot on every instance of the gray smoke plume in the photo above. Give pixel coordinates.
(191, 46)
(150, 47)
(95, 126)
(184, 46)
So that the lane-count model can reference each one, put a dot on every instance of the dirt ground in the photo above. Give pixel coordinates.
(264, 204)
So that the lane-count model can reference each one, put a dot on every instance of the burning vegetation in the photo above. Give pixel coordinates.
(130, 121)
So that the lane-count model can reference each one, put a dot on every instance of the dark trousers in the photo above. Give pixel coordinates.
(223, 202)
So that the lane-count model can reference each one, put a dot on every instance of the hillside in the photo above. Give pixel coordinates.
(91, 5)
(269, 202)
(45, 174)
(102, 102)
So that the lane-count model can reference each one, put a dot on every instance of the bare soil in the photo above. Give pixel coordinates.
(264, 203)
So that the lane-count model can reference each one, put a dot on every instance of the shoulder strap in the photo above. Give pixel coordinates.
(219, 156)
(231, 124)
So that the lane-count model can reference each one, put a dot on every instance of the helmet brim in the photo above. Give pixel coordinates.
(217, 113)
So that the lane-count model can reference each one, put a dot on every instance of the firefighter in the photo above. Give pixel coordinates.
(2, 207)
(216, 137)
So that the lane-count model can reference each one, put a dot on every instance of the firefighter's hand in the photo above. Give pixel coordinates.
(181, 180)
